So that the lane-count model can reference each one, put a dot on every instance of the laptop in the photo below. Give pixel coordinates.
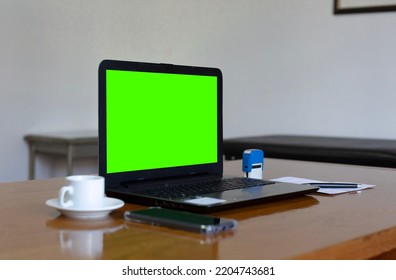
(161, 139)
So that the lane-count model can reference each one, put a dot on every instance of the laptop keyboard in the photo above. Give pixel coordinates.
(200, 188)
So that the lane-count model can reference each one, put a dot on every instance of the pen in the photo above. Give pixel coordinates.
(335, 185)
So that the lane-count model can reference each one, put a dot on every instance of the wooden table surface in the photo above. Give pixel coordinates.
(359, 225)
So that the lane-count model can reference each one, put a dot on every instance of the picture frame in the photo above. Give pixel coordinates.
(363, 6)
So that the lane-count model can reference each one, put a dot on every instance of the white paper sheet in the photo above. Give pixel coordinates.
(301, 181)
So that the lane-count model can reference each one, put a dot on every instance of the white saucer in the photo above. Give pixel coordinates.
(109, 204)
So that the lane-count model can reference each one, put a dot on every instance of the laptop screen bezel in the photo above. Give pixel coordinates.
(116, 179)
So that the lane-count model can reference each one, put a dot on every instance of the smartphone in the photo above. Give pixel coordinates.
(180, 220)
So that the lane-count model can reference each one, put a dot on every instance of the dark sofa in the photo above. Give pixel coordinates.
(358, 151)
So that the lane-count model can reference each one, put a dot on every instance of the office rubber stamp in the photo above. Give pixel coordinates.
(253, 163)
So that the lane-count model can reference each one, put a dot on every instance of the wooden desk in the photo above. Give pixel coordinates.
(348, 226)
(72, 145)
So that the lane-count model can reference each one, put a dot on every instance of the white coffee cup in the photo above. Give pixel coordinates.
(82, 192)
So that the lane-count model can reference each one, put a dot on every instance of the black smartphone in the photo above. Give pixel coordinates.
(180, 220)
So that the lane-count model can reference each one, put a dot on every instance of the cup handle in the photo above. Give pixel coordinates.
(61, 197)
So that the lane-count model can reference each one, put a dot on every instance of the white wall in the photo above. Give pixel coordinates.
(289, 66)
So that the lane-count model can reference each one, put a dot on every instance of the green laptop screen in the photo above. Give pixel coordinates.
(159, 120)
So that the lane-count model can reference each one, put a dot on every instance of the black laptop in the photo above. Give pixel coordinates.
(160, 139)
